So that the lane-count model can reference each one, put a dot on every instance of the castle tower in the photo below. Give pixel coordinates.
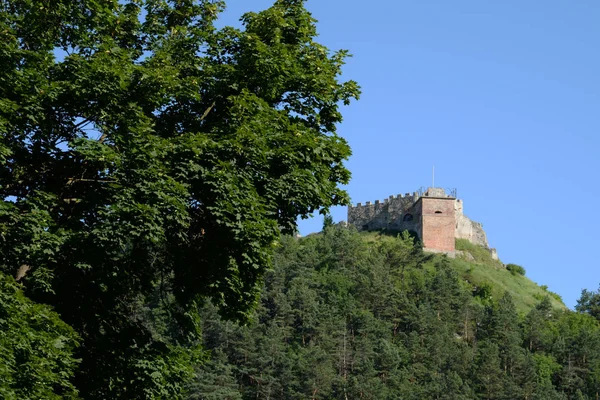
(435, 215)
(437, 221)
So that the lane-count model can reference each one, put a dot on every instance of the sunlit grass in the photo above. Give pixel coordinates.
(483, 269)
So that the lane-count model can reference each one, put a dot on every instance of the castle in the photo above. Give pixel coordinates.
(435, 215)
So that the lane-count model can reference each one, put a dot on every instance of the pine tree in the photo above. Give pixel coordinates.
(215, 380)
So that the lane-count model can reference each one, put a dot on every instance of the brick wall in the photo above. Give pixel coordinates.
(438, 223)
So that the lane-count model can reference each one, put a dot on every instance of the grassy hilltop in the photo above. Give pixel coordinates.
(487, 274)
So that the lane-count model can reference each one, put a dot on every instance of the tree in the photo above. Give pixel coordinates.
(36, 348)
(327, 221)
(145, 153)
(515, 269)
(336, 322)
(535, 327)
(217, 380)
(488, 373)
(589, 303)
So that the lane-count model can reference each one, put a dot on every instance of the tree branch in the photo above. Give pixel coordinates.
(22, 271)
(207, 111)
(70, 181)
(84, 122)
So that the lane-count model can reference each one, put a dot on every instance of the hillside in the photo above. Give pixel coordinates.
(477, 267)
(348, 315)
(483, 269)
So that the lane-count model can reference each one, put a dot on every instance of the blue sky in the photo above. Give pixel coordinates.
(502, 97)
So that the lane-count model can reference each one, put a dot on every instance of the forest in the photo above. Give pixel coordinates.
(342, 317)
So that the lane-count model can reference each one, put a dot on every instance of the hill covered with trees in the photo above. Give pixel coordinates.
(149, 162)
(345, 315)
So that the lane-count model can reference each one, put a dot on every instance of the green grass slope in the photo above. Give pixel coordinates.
(483, 270)
(477, 267)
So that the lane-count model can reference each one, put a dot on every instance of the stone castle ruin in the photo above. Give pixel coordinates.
(435, 215)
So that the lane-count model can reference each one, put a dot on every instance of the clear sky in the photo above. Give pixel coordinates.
(502, 97)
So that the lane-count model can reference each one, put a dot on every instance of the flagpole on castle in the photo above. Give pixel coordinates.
(433, 177)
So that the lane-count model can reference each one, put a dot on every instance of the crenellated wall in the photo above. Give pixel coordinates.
(392, 213)
(438, 219)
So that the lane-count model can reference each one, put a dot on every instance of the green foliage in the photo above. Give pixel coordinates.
(488, 372)
(484, 291)
(346, 315)
(556, 297)
(218, 381)
(526, 294)
(145, 153)
(589, 303)
(336, 320)
(36, 348)
(488, 278)
(546, 367)
(515, 269)
(327, 221)
(541, 296)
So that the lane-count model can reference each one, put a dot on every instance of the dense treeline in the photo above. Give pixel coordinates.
(342, 318)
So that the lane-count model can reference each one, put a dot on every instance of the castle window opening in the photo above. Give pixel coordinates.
(407, 217)
(438, 212)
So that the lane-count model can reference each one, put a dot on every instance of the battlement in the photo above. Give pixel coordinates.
(415, 196)
(429, 192)
(434, 214)
(437, 192)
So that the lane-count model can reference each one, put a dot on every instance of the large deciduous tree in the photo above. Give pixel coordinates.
(143, 148)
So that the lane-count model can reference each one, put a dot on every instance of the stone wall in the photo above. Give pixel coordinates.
(471, 230)
(437, 231)
(467, 229)
(392, 213)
